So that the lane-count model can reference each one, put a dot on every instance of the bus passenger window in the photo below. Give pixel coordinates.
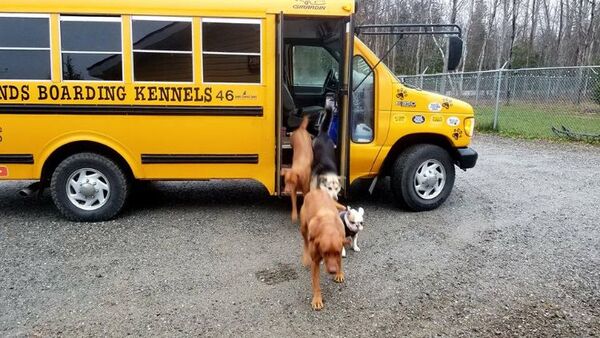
(91, 48)
(363, 105)
(162, 50)
(231, 50)
(25, 47)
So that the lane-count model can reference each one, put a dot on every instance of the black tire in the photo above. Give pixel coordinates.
(118, 183)
(404, 172)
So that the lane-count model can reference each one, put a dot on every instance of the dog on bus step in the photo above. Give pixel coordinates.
(324, 169)
(298, 176)
(353, 220)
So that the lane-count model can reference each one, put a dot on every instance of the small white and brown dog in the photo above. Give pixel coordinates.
(329, 182)
(353, 223)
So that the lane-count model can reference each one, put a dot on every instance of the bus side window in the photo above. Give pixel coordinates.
(91, 48)
(363, 105)
(162, 49)
(25, 47)
(231, 50)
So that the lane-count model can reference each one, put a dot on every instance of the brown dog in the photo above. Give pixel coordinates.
(324, 238)
(298, 176)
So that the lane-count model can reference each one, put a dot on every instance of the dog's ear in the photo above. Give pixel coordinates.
(361, 211)
(317, 244)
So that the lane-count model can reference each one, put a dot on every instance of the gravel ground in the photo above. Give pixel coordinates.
(515, 251)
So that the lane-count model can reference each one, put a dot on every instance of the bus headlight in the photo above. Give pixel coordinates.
(469, 126)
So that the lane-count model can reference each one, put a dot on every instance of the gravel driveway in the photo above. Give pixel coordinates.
(514, 251)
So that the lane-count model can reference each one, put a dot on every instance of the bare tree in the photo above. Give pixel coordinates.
(491, 20)
(515, 14)
(523, 32)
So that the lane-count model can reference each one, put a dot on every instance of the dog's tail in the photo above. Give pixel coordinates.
(326, 124)
(304, 123)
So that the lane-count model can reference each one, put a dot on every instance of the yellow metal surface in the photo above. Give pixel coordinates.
(55, 50)
(403, 111)
(183, 7)
(132, 136)
(362, 155)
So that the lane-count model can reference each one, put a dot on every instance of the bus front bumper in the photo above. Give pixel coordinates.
(466, 158)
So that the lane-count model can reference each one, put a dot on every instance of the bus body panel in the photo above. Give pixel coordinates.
(136, 137)
(362, 155)
(164, 131)
(402, 111)
(230, 8)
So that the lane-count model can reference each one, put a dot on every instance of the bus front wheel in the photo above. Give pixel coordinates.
(89, 187)
(422, 177)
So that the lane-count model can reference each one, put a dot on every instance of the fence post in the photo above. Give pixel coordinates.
(477, 88)
(514, 86)
(579, 84)
(422, 75)
(585, 87)
(549, 81)
(495, 127)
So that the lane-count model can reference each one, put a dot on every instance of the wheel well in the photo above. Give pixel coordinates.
(410, 140)
(81, 147)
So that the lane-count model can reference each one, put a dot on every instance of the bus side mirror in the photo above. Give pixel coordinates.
(455, 50)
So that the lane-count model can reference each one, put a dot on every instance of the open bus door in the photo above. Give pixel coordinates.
(313, 70)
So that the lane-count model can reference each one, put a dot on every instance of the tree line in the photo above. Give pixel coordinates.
(520, 33)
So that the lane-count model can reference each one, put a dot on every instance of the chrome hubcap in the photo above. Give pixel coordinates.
(430, 179)
(88, 189)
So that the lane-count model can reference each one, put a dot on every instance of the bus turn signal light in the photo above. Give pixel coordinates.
(469, 126)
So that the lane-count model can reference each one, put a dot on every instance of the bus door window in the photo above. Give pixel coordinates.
(311, 66)
(363, 106)
(315, 74)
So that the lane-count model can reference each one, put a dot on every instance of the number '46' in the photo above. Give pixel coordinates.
(228, 95)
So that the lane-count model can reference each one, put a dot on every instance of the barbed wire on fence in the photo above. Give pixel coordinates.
(527, 102)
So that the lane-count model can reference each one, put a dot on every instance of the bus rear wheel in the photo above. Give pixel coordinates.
(422, 177)
(89, 187)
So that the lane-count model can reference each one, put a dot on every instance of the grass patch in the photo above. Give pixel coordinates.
(535, 121)
(485, 126)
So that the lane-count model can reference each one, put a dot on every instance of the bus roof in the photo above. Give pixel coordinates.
(182, 7)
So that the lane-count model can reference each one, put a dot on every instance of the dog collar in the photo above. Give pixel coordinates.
(351, 226)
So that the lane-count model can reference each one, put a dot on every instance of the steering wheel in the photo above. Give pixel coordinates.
(331, 82)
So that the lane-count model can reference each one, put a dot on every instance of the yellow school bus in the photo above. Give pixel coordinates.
(95, 95)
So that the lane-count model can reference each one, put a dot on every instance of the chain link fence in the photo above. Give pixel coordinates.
(536, 103)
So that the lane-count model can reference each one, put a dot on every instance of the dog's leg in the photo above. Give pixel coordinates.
(339, 276)
(355, 243)
(343, 252)
(294, 205)
(305, 254)
(317, 301)
(304, 231)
